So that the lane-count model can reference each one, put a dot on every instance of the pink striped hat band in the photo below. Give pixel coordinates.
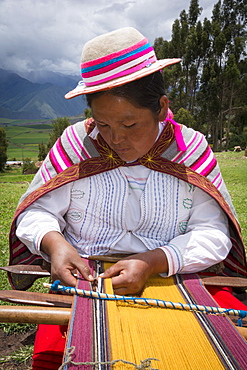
(118, 64)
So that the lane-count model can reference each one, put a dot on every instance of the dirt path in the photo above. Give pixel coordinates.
(11, 343)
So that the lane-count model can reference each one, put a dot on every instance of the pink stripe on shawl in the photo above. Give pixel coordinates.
(178, 135)
(73, 147)
(62, 153)
(193, 150)
(202, 159)
(117, 54)
(123, 73)
(216, 179)
(79, 143)
(45, 173)
(188, 145)
(54, 161)
(43, 176)
(116, 64)
(219, 184)
(209, 168)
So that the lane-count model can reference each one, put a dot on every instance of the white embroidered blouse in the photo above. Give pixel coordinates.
(132, 210)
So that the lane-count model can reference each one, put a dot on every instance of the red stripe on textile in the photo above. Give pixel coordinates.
(236, 250)
(114, 55)
(80, 333)
(234, 265)
(231, 339)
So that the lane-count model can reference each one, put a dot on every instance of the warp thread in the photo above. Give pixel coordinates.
(145, 364)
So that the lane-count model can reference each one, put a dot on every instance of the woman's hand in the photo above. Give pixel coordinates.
(130, 274)
(64, 259)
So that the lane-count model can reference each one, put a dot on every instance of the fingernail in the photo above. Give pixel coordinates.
(101, 275)
(90, 277)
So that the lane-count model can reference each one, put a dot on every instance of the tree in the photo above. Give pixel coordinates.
(210, 82)
(42, 152)
(28, 167)
(194, 12)
(88, 112)
(184, 117)
(59, 125)
(3, 148)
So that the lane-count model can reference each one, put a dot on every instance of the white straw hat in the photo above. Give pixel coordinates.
(116, 58)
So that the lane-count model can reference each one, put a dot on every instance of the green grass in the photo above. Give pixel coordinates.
(234, 170)
(4, 122)
(12, 186)
(14, 175)
(24, 140)
(19, 356)
(24, 136)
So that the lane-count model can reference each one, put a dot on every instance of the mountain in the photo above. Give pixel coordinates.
(59, 79)
(21, 98)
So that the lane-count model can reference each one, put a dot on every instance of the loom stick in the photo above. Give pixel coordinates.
(229, 281)
(145, 301)
(36, 298)
(35, 315)
(43, 272)
(27, 270)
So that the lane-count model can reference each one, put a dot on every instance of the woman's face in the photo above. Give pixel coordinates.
(128, 130)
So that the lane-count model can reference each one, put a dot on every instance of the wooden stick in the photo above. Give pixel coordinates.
(36, 298)
(42, 271)
(52, 316)
(35, 315)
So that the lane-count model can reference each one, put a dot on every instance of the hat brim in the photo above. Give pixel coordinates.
(82, 89)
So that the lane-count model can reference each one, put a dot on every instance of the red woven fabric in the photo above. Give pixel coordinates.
(49, 347)
(225, 298)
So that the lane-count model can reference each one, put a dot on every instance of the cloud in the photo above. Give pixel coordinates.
(49, 35)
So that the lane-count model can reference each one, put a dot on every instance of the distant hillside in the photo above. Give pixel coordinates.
(55, 78)
(23, 99)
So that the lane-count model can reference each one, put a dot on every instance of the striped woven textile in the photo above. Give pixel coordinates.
(75, 155)
(103, 333)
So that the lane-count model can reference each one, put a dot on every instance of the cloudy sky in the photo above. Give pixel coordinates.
(50, 34)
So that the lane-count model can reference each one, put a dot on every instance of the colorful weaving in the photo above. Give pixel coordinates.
(134, 333)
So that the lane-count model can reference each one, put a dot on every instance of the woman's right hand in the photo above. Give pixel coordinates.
(64, 259)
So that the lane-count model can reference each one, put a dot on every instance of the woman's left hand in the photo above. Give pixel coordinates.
(131, 273)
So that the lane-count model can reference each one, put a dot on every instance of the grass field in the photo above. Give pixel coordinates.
(234, 170)
(24, 140)
(24, 136)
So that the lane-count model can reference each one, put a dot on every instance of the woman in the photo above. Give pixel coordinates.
(141, 184)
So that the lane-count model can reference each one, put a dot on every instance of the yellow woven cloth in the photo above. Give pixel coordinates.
(173, 337)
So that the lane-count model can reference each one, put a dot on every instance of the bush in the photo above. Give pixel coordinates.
(238, 140)
(28, 167)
